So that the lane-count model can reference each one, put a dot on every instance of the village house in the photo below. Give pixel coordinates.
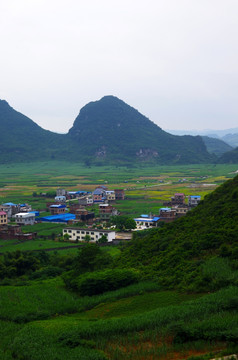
(60, 199)
(193, 200)
(77, 234)
(57, 209)
(7, 209)
(48, 204)
(86, 200)
(61, 192)
(12, 209)
(25, 218)
(181, 210)
(178, 199)
(3, 218)
(167, 214)
(110, 195)
(8, 232)
(119, 194)
(99, 195)
(106, 211)
(146, 221)
(74, 207)
(84, 215)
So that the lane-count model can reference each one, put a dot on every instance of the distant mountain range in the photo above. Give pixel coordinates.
(230, 136)
(105, 131)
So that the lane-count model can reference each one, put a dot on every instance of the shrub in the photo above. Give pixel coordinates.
(47, 272)
(101, 281)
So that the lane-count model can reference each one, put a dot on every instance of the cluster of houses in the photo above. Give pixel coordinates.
(64, 211)
(175, 208)
(23, 215)
(79, 211)
(99, 195)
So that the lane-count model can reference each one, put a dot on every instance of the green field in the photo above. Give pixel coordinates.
(44, 321)
(146, 187)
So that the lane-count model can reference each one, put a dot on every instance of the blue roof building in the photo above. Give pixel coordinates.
(146, 222)
(60, 218)
(193, 200)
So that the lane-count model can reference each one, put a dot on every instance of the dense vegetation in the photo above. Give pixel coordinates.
(197, 252)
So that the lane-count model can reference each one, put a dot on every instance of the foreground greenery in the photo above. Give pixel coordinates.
(173, 325)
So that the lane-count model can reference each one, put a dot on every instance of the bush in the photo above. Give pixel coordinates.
(46, 272)
(108, 280)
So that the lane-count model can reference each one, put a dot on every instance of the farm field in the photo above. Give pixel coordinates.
(143, 185)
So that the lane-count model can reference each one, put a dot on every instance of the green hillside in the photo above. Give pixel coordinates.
(23, 140)
(197, 252)
(230, 157)
(111, 129)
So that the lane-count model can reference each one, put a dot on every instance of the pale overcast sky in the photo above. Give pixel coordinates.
(176, 61)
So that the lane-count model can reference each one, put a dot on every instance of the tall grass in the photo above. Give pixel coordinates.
(211, 319)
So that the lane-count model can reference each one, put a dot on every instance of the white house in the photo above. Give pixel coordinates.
(25, 218)
(110, 195)
(95, 234)
(61, 198)
(146, 222)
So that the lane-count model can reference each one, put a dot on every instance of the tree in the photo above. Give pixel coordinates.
(87, 238)
(90, 258)
(130, 224)
(66, 237)
(102, 239)
(123, 222)
(51, 194)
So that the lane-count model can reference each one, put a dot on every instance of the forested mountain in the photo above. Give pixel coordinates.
(230, 157)
(197, 252)
(231, 139)
(105, 130)
(109, 128)
(23, 140)
(216, 146)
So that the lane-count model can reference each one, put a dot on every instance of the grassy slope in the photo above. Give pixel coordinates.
(176, 252)
(139, 332)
